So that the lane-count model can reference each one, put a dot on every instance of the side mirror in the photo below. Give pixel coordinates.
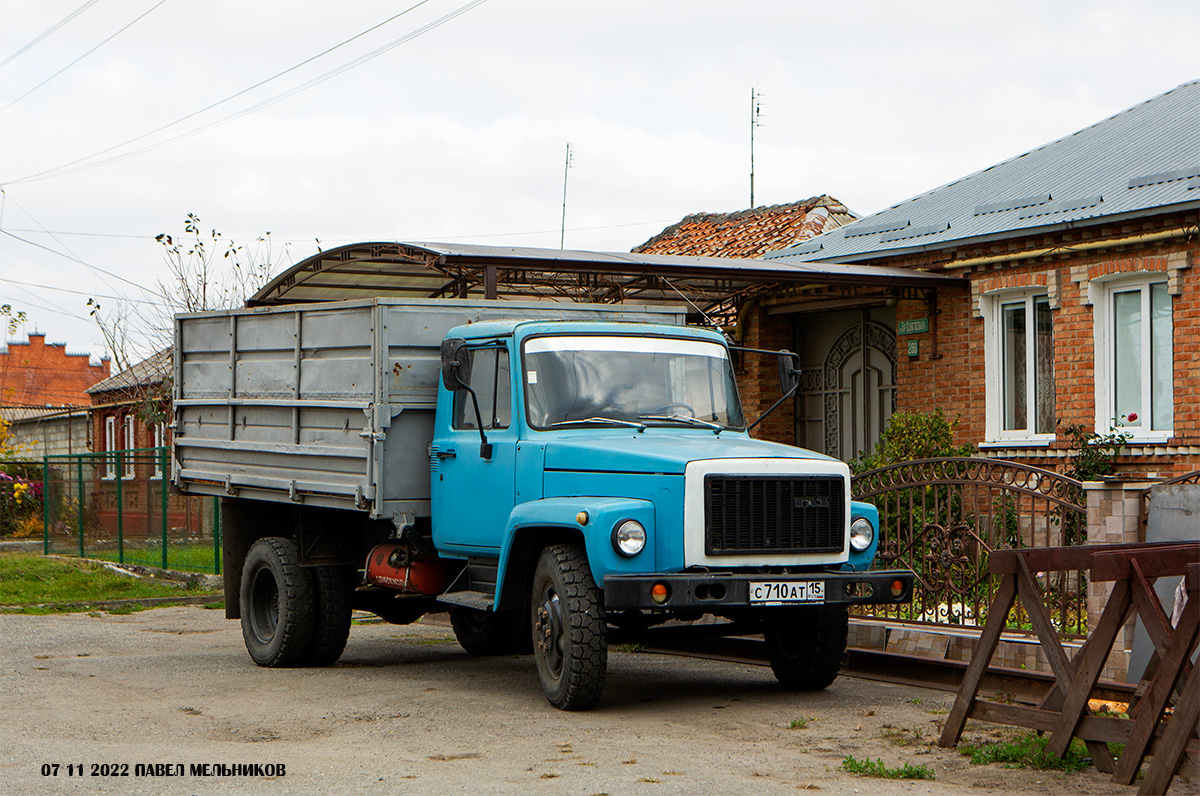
(456, 364)
(789, 371)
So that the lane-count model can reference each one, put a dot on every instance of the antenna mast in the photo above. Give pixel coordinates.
(755, 112)
(566, 166)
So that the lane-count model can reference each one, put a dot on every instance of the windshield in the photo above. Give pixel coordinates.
(638, 380)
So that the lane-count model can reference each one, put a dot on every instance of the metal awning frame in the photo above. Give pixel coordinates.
(438, 270)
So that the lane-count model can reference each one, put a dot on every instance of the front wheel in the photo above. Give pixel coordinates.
(570, 646)
(806, 645)
(277, 604)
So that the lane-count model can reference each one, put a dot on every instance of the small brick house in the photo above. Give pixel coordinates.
(1082, 306)
(33, 373)
(130, 411)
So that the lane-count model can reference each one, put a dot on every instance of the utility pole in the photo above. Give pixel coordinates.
(755, 112)
(566, 167)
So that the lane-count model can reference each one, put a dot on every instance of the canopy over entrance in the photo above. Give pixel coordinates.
(444, 270)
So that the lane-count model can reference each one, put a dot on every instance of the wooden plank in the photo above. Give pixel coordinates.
(997, 619)
(1032, 599)
(1150, 712)
(1088, 665)
(1155, 562)
(1091, 728)
(1048, 559)
(1168, 753)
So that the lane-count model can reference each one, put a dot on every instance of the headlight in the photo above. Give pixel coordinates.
(628, 538)
(862, 534)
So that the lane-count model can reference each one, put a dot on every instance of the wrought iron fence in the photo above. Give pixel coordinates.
(942, 518)
(119, 506)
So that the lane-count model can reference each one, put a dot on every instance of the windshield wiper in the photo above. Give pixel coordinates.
(691, 421)
(610, 420)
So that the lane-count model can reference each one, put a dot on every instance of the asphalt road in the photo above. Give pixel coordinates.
(406, 711)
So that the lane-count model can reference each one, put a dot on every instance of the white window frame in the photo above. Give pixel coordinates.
(991, 308)
(110, 445)
(130, 463)
(1100, 293)
(159, 432)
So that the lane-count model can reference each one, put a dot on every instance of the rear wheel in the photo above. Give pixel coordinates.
(333, 591)
(276, 599)
(488, 632)
(806, 645)
(570, 646)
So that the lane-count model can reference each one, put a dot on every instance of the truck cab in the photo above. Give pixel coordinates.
(613, 462)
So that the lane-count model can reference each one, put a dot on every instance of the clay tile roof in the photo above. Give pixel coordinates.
(749, 233)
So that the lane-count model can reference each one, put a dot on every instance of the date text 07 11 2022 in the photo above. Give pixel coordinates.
(165, 770)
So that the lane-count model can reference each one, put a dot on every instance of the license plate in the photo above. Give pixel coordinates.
(782, 592)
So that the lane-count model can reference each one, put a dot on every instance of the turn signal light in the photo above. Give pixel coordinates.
(659, 593)
(897, 587)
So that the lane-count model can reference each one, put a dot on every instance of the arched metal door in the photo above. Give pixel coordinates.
(845, 403)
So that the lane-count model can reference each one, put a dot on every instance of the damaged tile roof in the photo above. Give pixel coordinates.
(749, 233)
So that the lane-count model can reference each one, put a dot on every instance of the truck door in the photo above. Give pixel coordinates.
(472, 495)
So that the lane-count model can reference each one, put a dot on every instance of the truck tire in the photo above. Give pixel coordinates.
(277, 604)
(570, 646)
(806, 645)
(333, 590)
(488, 632)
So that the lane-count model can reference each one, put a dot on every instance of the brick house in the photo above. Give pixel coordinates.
(1083, 305)
(35, 374)
(130, 411)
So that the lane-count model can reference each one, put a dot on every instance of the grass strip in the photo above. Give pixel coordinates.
(1028, 751)
(31, 583)
(876, 768)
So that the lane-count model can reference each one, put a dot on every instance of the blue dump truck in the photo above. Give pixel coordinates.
(553, 475)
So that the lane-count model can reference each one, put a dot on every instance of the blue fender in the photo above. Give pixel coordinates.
(604, 514)
(860, 562)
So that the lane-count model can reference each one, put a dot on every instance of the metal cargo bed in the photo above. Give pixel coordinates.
(328, 404)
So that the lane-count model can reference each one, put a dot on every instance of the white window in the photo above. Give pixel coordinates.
(158, 432)
(1019, 362)
(129, 446)
(1134, 357)
(110, 445)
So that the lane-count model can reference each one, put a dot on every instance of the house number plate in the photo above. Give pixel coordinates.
(782, 592)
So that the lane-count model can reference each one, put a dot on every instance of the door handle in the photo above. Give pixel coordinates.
(447, 454)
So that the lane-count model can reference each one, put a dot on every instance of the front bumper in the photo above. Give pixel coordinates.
(712, 591)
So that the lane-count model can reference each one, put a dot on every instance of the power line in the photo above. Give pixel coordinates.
(77, 292)
(83, 163)
(37, 40)
(85, 55)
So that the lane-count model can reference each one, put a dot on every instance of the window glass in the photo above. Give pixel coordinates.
(1014, 387)
(1127, 355)
(1026, 350)
(492, 383)
(1160, 356)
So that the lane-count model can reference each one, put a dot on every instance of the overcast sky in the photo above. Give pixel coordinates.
(459, 133)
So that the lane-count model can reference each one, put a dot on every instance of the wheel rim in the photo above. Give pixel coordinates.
(550, 636)
(264, 610)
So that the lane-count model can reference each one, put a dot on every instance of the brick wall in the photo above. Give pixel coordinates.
(758, 376)
(950, 371)
(35, 374)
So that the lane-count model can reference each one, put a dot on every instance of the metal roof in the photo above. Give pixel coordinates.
(446, 270)
(1142, 161)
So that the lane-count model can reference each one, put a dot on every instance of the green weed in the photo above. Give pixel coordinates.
(876, 768)
(1028, 751)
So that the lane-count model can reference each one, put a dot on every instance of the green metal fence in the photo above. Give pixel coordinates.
(119, 506)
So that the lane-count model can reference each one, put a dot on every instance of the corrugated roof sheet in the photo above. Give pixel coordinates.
(749, 233)
(151, 370)
(1141, 161)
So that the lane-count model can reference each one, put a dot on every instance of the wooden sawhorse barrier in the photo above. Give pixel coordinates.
(1063, 710)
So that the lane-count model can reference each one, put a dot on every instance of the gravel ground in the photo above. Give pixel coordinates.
(406, 711)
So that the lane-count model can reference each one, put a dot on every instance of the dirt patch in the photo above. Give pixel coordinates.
(407, 711)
